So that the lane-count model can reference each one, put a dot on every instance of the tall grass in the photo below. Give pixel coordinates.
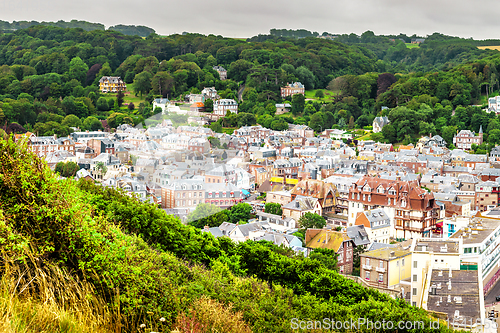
(208, 315)
(40, 297)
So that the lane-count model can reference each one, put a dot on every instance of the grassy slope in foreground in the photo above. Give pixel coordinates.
(53, 221)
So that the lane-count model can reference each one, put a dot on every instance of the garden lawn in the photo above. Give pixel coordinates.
(411, 46)
(329, 95)
(129, 96)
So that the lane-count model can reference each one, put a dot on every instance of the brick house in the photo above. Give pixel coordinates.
(324, 192)
(487, 195)
(301, 205)
(333, 240)
(412, 210)
(102, 146)
(465, 138)
(184, 193)
(293, 89)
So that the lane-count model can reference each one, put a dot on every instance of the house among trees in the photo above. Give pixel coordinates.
(210, 93)
(161, 103)
(283, 108)
(197, 107)
(222, 72)
(431, 141)
(417, 40)
(293, 89)
(379, 123)
(465, 138)
(111, 84)
(494, 104)
(221, 106)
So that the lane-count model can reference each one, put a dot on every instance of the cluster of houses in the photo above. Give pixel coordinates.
(427, 217)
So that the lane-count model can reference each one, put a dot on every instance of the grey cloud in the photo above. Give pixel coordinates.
(244, 18)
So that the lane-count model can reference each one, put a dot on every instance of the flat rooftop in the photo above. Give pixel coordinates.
(437, 246)
(385, 253)
(478, 230)
(462, 297)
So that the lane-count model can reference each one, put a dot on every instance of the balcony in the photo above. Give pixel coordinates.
(380, 269)
(367, 267)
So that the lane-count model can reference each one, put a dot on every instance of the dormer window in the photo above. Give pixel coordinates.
(380, 189)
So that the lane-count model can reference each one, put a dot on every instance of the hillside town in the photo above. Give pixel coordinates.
(421, 222)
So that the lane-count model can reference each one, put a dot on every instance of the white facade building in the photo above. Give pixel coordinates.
(222, 106)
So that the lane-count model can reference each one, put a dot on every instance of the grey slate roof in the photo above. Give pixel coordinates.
(358, 234)
(301, 203)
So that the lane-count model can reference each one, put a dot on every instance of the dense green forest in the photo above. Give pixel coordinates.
(61, 239)
(130, 30)
(143, 264)
(49, 80)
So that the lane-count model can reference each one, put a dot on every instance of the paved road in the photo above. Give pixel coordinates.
(251, 198)
(240, 93)
(490, 297)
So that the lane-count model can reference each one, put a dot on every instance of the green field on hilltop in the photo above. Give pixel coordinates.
(412, 46)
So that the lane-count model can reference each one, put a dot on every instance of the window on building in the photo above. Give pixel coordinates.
(403, 262)
(380, 277)
(367, 261)
(414, 277)
(367, 275)
(414, 291)
(415, 263)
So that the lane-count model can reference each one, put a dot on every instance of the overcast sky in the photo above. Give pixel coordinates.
(465, 18)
